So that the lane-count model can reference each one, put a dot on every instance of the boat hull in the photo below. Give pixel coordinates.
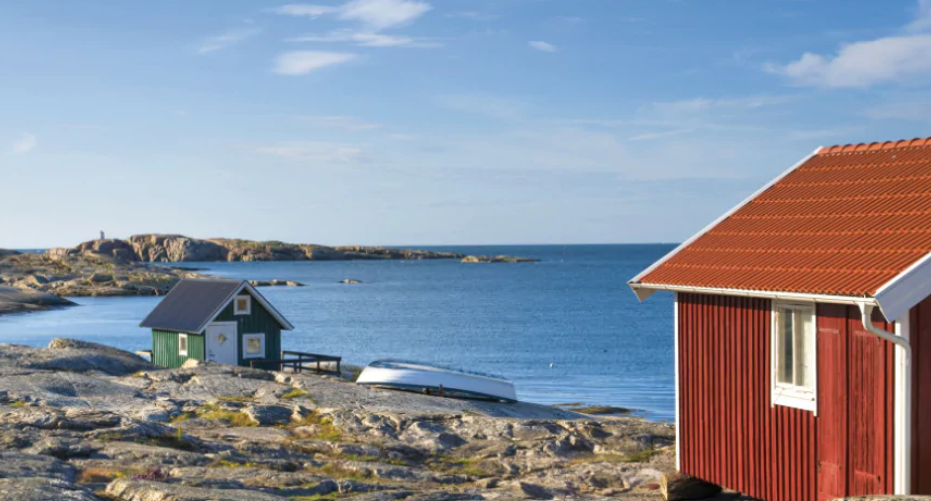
(424, 378)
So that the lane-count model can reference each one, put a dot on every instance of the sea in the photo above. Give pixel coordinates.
(566, 330)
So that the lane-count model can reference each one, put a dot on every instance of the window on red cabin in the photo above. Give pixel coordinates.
(794, 355)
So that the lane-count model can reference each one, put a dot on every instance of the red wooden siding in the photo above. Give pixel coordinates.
(920, 336)
(731, 435)
(832, 412)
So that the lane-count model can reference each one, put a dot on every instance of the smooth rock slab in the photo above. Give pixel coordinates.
(244, 478)
(135, 454)
(18, 465)
(141, 490)
(270, 415)
(42, 489)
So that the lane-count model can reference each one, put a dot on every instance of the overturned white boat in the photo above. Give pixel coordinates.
(436, 380)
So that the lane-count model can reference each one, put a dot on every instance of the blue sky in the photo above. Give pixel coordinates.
(434, 121)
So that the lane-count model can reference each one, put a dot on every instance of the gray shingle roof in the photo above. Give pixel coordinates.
(192, 303)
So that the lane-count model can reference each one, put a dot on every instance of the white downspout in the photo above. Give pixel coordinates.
(866, 313)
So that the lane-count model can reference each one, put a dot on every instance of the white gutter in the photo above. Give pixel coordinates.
(645, 290)
(866, 317)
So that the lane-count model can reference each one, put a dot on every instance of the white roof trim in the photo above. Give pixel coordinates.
(258, 297)
(907, 289)
(645, 294)
(776, 295)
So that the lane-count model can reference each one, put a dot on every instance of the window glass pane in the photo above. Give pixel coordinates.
(182, 343)
(253, 345)
(785, 347)
(242, 304)
(805, 359)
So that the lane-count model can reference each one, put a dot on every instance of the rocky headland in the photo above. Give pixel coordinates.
(86, 422)
(179, 248)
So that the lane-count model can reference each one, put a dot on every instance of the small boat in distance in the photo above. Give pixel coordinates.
(437, 380)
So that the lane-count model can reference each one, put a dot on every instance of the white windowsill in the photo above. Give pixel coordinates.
(795, 397)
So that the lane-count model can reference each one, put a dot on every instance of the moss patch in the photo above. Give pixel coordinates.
(322, 497)
(234, 418)
(458, 466)
(637, 457)
(235, 399)
(184, 416)
(325, 429)
(294, 393)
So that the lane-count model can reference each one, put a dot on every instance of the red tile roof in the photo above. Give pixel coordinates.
(845, 222)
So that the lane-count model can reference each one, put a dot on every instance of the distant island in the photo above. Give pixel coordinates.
(115, 267)
(179, 248)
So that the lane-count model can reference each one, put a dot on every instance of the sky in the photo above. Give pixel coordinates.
(443, 122)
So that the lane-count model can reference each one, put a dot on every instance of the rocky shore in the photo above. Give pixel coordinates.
(30, 282)
(86, 422)
(40, 281)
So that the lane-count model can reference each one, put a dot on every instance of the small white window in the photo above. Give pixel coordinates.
(182, 345)
(795, 358)
(253, 346)
(242, 305)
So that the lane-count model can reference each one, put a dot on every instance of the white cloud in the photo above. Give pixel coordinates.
(304, 10)
(339, 122)
(376, 14)
(892, 59)
(367, 39)
(701, 104)
(863, 64)
(318, 152)
(381, 14)
(25, 144)
(649, 136)
(226, 40)
(404, 137)
(543, 46)
(303, 62)
(922, 20)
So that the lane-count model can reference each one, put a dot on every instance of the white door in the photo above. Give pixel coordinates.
(221, 343)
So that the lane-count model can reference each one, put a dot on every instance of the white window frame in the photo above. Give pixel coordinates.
(248, 310)
(245, 344)
(785, 394)
(183, 351)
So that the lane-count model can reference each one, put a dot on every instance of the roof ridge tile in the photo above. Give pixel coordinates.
(886, 145)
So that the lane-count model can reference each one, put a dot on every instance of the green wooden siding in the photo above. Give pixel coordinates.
(165, 348)
(260, 321)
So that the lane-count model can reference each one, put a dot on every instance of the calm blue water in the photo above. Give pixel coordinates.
(572, 310)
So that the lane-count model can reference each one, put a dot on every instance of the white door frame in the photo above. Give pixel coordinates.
(235, 326)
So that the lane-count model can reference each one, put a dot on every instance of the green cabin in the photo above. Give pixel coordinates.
(226, 321)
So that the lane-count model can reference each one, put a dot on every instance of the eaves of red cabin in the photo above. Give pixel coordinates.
(849, 221)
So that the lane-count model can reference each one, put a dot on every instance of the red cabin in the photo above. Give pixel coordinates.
(803, 330)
